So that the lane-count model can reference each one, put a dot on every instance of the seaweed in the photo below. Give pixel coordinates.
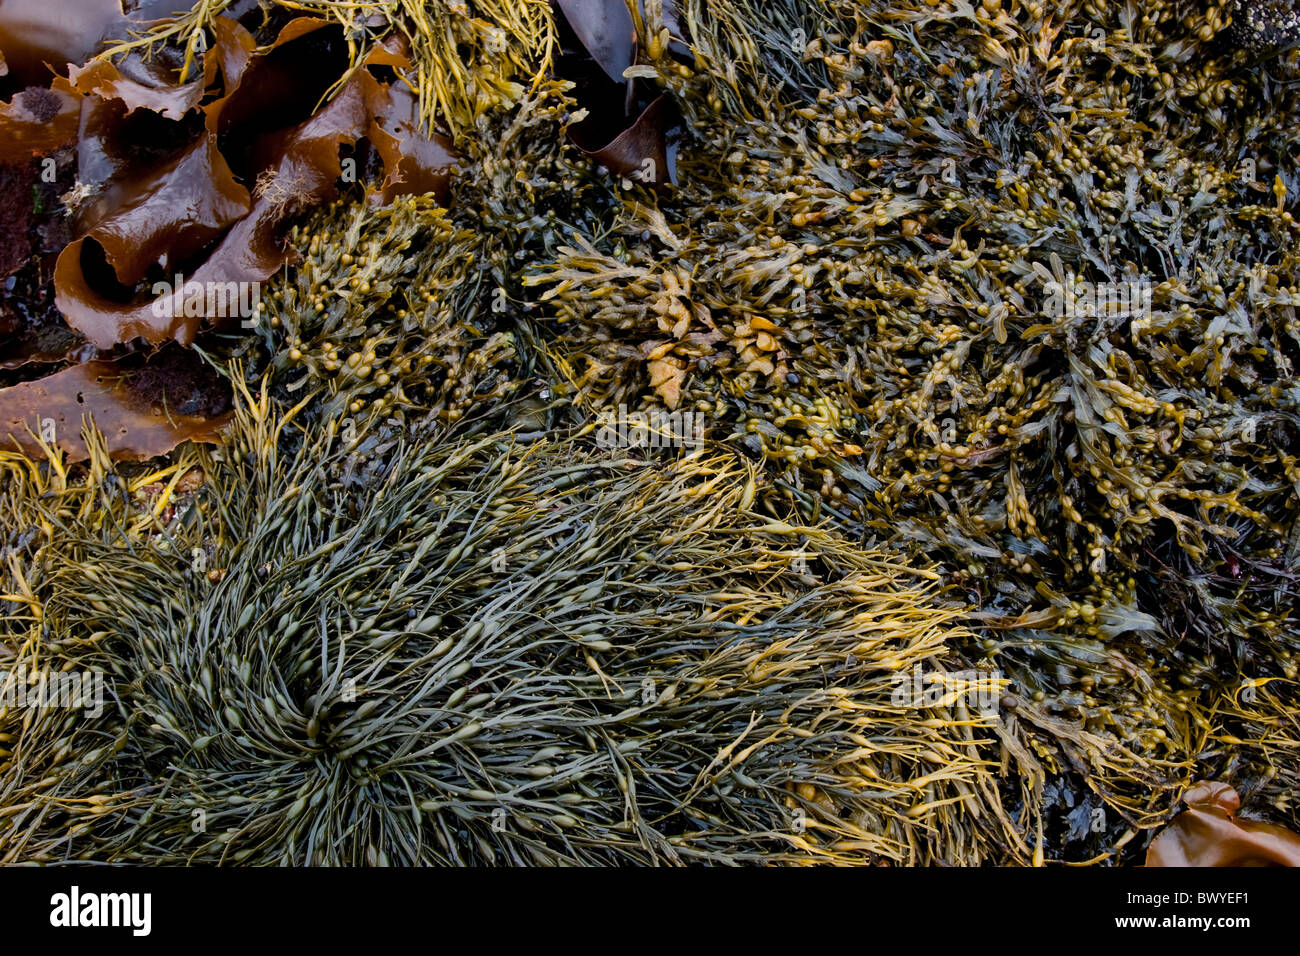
(991, 283)
(1004, 291)
(141, 409)
(199, 176)
(1208, 834)
(454, 648)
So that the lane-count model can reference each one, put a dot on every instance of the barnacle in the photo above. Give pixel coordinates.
(1263, 26)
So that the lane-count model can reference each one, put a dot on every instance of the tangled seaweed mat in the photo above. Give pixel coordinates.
(855, 282)
(496, 653)
(850, 283)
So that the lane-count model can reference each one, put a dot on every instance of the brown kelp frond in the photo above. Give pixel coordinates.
(187, 29)
(492, 652)
(1208, 833)
(177, 179)
(139, 407)
(288, 157)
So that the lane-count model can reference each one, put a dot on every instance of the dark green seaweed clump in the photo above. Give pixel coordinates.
(478, 652)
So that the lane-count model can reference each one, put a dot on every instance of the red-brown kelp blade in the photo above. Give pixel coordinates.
(294, 167)
(1208, 834)
(644, 151)
(138, 420)
(41, 37)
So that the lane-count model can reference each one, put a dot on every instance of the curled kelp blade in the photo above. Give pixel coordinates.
(139, 84)
(142, 411)
(251, 251)
(646, 152)
(643, 149)
(49, 48)
(42, 37)
(169, 214)
(1208, 833)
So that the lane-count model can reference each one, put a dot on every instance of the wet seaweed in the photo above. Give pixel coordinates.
(880, 276)
(469, 650)
(1005, 288)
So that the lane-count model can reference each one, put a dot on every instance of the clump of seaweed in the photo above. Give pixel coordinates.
(1011, 287)
(177, 175)
(1007, 287)
(476, 651)
(399, 310)
(382, 317)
